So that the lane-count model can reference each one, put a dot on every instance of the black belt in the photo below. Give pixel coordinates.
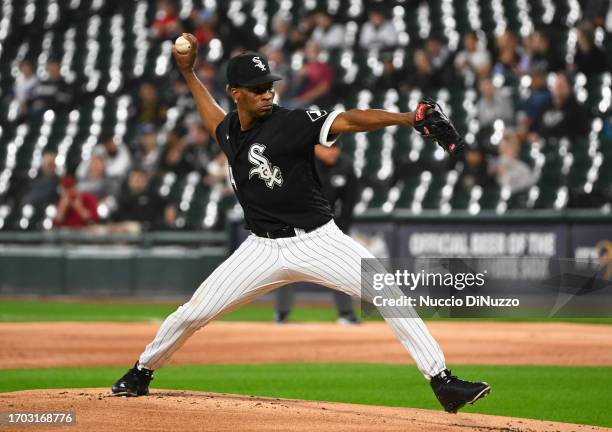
(284, 232)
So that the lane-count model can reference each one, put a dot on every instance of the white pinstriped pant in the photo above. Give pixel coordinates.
(325, 256)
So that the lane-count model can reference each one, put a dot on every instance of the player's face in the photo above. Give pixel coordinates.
(257, 99)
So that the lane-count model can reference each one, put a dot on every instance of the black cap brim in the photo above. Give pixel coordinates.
(259, 80)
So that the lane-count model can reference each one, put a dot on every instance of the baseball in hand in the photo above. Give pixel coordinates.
(182, 45)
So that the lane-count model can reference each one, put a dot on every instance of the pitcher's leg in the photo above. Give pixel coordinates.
(249, 272)
(333, 259)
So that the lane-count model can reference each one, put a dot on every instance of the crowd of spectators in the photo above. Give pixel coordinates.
(117, 174)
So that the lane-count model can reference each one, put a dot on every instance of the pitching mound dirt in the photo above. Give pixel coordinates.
(166, 410)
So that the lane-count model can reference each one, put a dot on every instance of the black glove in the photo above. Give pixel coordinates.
(431, 122)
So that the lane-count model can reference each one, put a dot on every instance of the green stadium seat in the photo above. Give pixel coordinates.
(490, 197)
(408, 186)
(547, 197)
(433, 195)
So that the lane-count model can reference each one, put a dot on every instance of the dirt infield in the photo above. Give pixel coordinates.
(28, 345)
(119, 344)
(165, 410)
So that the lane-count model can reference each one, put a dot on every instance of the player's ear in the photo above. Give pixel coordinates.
(231, 92)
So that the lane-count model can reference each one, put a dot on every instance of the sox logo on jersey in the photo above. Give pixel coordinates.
(271, 175)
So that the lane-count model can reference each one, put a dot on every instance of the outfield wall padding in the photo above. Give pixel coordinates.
(105, 270)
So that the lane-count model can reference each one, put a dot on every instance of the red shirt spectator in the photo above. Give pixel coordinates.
(315, 79)
(166, 24)
(75, 209)
(205, 23)
(317, 74)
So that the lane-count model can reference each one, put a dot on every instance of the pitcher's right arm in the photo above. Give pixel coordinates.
(210, 111)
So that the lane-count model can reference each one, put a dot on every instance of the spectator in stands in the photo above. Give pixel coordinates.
(117, 160)
(377, 32)
(424, 76)
(138, 208)
(543, 52)
(526, 55)
(148, 151)
(507, 40)
(218, 172)
(297, 39)
(200, 150)
(174, 158)
(182, 99)
(563, 116)
(508, 56)
(595, 11)
(589, 58)
(314, 80)
(278, 63)
(75, 209)
(25, 86)
(204, 23)
(509, 170)
(474, 60)
(287, 35)
(300, 34)
(150, 109)
(96, 182)
(209, 76)
(281, 24)
(431, 67)
(326, 33)
(494, 104)
(474, 168)
(438, 55)
(391, 77)
(43, 189)
(52, 93)
(166, 25)
(169, 218)
(507, 66)
(116, 156)
(539, 97)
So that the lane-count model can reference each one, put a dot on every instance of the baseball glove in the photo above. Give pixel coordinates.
(431, 122)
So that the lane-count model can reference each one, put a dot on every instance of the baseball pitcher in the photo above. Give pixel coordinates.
(270, 151)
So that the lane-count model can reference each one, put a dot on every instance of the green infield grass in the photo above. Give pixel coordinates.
(12, 310)
(567, 394)
(36, 310)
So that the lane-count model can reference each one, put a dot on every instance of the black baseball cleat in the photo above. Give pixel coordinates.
(454, 393)
(135, 382)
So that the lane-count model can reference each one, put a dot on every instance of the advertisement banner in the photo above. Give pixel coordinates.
(523, 242)
(482, 240)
